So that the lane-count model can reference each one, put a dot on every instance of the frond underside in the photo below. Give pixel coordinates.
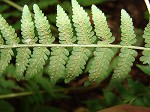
(69, 63)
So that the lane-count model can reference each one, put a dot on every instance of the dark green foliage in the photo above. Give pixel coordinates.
(6, 107)
(89, 2)
(94, 105)
(42, 90)
(145, 69)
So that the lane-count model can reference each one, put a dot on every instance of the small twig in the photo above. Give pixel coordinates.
(63, 90)
(13, 4)
(133, 99)
(13, 95)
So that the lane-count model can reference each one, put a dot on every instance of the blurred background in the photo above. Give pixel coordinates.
(37, 95)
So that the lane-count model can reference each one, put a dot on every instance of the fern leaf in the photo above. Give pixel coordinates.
(31, 63)
(42, 26)
(6, 56)
(127, 29)
(102, 56)
(64, 27)
(1, 40)
(100, 64)
(126, 57)
(27, 31)
(37, 60)
(146, 54)
(57, 63)
(1, 43)
(4, 53)
(11, 39)
(27, 27)
(8, 32)
(83, 27)
(101, 27)
(40, 54)
(85, 35)
(59, 55)
(22, 60)
(76, 63)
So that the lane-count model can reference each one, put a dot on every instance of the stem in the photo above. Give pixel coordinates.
(12, 95)
(148, 5)
(64, 90)
(132, 100)
(13, 4)
(72, 45)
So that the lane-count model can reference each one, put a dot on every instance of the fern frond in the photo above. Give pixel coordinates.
(22, 60)
(6, 56)
(64, 26)
(59, 55)
(1, 40)
(146, 54)
(82, 24)
(37, 60)
(65, 65)
(101, 27)
(85, 35)
(76, 63)
(42, 26)
(27, 31)
(98, 69)
(8, 32)
(27, 27)
(1, 43)
(102, 56)
(40, 54)
(4, 53)
(11, 39)
(127, 29)
(126, 57)
(1, 50)
(58, 60)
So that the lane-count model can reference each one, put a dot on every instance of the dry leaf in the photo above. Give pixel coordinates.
(126, 108)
